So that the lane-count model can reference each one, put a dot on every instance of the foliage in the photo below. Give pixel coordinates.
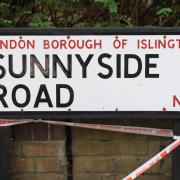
(4, 10)
(89, 13)
(164, 13)
(110, 4)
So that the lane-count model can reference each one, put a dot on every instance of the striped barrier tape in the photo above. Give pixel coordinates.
(4, 123)
(116, 128)
(153, 161)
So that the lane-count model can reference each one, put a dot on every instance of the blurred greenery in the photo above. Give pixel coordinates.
(89, 13)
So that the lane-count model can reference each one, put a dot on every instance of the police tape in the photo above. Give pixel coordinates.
(115, 128)
(4, 123)
(153, 161)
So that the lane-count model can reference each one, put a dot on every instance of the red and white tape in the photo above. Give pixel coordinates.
(153, 161)
(4, 123)
(116, 128)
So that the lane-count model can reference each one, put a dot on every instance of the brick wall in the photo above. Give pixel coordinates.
(101, 155)
(97, 155)
(38, 152)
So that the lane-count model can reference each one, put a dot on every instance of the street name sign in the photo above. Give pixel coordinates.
(70, 72)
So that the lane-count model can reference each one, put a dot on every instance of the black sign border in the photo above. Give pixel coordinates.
(90, 114)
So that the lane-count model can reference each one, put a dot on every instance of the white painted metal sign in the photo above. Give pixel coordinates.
(90, 73)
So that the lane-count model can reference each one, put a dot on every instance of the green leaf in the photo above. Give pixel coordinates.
(110, 4)
(164, 12)
(113, 8)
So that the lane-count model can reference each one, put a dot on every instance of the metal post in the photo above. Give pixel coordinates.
(69, 153)
(5, 143)
(176, 155)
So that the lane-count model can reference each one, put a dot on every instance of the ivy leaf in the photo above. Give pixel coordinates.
(164, 11)
(110, 4)
(113, 8)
